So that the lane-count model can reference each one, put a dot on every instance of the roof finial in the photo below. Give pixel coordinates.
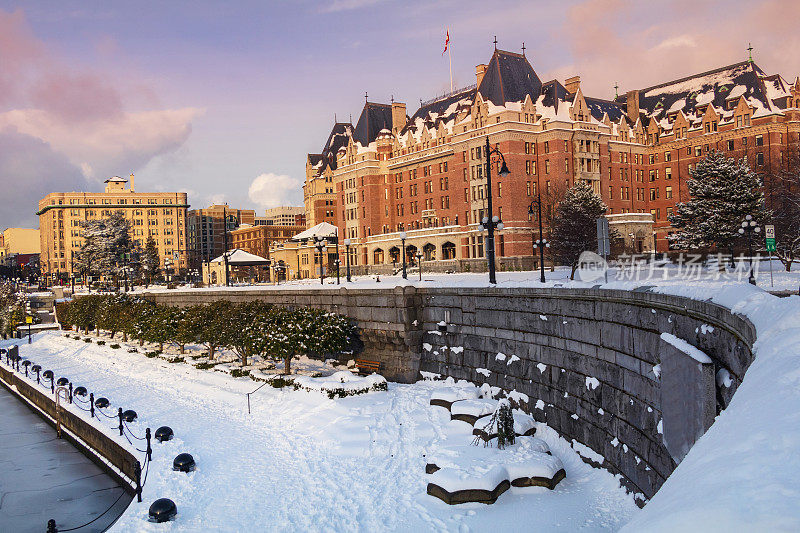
(523, 48)
(750, 50)
(351, 118)
(616, 90)
(366, 97)
(495, 42)
(392, 98)
(334, 119)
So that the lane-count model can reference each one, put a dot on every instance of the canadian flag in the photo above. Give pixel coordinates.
(446, 42)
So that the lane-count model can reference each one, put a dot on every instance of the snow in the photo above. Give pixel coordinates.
(427, 347)
(303, 462)
(342, 380)
(457, 349)
(512, 359)
(518, 397)
(500, 357)
(462, 391)
(543, 317)
(657, 371)
(592, 383)
(522, 423)
(542, 367)
(484, 371)
(478, 407)
(723, 378)
(692, 351)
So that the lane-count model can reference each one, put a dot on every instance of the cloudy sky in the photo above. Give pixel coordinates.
(224, 99)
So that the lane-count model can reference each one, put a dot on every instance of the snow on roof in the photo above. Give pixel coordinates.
(323, 229)
(238, 256)
(116, 179)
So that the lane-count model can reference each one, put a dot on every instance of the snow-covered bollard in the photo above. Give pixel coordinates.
(184, 462)
(446, 396)
(164, 433)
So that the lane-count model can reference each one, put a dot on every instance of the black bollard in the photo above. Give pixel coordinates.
(51, 526)
(164, 433)
(119, 414)
(162, 510)
(184, 462)
(149, 448)
(70, 392)
(91, 404)
(137, 473)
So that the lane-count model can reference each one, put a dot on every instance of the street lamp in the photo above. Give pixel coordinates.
(320, 243)
(419, 264)
(750, 229)
(347, 243)
(403, 237)
(542, 242)
(336, 264)
(490, 222)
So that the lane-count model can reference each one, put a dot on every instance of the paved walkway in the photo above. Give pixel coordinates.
(43, 477)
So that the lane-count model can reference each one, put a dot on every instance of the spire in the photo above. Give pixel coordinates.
(366, 97)
(523, 48)
(495, 43)
(750, 50)
(616, 90)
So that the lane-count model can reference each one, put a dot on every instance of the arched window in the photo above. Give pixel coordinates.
(377, 256)
(448, 250)
(394, 254)
(429, 252)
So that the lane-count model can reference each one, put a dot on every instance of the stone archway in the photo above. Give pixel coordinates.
(429, 252)
(448, 250)
(377, 256)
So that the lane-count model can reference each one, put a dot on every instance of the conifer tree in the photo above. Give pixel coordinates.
(723, 191)
(150, 261)
(574, 226)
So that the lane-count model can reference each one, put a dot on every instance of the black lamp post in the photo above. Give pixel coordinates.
(321, 244)
(490, 222)
(403, 252)
(336, 263)
(750, 229)
(419, 264)
(347, 257)
(542, 242)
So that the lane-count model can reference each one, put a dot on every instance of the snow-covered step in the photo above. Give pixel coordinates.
(471, 410)
(524, 425)
(461, 473)
(446, 396)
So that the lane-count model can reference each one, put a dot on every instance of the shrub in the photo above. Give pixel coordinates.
(239, 373)
(132, 350)
(87, 339)
(152, 354)
(101, 343)
(204, 366)
(175, 360)
(115, 346)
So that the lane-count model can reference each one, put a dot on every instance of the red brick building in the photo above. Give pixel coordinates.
(424, 174)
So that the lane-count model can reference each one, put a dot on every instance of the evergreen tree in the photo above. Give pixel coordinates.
(723, 191)
(505, 425)
(574, 226)
(107, 245)
(150, 262)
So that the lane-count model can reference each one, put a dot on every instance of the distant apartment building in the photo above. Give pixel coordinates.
(283, 216)
(160, 215)
(206, 230)
(14, 241)
(425, 175)
(257, 240)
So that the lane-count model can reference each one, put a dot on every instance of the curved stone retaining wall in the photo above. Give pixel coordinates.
(585, 358)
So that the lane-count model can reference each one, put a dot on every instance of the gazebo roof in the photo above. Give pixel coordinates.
(238, 257)
(323, 229)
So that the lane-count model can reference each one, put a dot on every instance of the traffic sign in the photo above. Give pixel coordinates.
(769, 234)
(29, 320)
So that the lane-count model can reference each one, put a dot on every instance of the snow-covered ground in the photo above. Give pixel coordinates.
(302, 462)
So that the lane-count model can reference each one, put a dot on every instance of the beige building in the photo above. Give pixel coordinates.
(161, 215)
(283, 216)
(22, 241)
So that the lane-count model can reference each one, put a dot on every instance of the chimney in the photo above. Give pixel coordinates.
(133, 189)
(480, 70)
(573, 84)
(633, 105)
(398, 116)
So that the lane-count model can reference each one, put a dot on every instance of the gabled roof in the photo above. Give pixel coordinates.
(553, 92)
(442, 109)
(314, 159)
(713, 87)
(508, 78)
(374, 118)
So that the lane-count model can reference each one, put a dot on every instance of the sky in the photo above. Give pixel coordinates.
(223, 100)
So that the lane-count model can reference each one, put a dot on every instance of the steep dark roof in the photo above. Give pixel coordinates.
(314, 159)
(436, 110)
(712, 87)
(339, 136)
(374, 118)
(553, 92)
(508, 78)
(597, 107)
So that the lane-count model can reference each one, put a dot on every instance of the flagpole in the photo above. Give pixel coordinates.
(450, 60)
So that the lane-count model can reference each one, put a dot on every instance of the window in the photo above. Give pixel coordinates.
(759, 140)
(744, 141)
(760, 159)
(667, 157)
(547, 167)
(652, 175)
(730, 145)
(547, 147)
(698, 151)
(528, 188)
(527, 167)
(668, 173)
(566, 164)
(688, 150)
(653, 193)
(668, 191)
(652, 159)
(527, 145)
(499, 190)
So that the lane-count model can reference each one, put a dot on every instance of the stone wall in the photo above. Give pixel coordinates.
(585, 358)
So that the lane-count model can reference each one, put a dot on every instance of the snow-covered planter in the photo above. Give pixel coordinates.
(524, 426)
(445, 397)
(341, 384)
(461, 473)
(471, 410)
